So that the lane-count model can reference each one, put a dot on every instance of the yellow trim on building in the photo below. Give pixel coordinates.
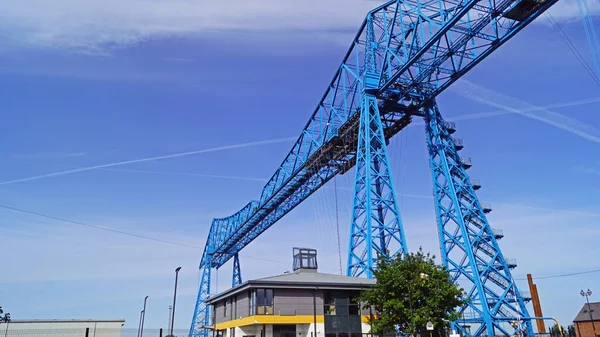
(276, 319)
(269, 319)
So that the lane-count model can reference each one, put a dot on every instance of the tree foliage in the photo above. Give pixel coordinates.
(568, 332)
(410, 292)
(555, 331)
(4, 317)
(571, 331)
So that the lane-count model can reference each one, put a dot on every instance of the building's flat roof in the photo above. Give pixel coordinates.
(67, 320)
(302, 279)
(584, 314)
(315, 277)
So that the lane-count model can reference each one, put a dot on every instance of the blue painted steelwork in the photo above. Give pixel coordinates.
(468, 244)
(237, 272)
(376, 227)
(590, 33)
(201, 318)
(404, 54)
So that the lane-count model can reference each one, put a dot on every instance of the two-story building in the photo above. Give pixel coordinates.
(303, 303)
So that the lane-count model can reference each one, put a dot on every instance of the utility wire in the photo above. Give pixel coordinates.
(337, 223)
(20, 210)
(97, 227)
(572, 47)
(563, 275)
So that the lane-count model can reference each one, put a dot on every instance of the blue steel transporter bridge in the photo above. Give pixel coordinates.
(405, 53)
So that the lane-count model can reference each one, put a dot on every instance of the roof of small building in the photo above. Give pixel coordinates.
(315, 277)
(37, 320)
(584, 314)
(300, 279)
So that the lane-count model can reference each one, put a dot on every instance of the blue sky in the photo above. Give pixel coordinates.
(89, 83)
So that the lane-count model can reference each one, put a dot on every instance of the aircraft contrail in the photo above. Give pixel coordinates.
(478, 93)
(530, 109)
(174, 155)
(505, 111)
(186, 174)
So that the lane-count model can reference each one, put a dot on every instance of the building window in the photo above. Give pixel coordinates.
(225, 311)
(329, 304)
(354, 306)
(341, 304)
(261, 302)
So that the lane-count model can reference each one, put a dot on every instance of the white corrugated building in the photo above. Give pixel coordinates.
(62, 327)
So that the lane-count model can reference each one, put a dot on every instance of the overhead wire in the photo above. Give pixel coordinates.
(569, 43)
(139, 236)
(590, 31)
(337, 223)
(562, 275)
(20, 210)
(320, 213)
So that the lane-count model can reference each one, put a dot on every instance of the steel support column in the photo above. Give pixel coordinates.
(376, 228)
(201, 317)
(469, 248)
(237, 272)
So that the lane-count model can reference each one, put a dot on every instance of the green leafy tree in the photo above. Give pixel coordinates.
(410, 292)
(4, 317)
(555, 332)
(568, 332)
(571, 331)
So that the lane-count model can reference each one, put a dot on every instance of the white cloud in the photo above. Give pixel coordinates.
(92, 26)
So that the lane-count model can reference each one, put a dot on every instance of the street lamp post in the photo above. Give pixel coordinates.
(143, 317)
(140, 323)
(174, 298)
(587, 294)
(169, 320)
(422, 276)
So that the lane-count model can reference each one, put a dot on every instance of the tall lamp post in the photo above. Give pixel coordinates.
(140, 323)
(174, 298)
(422, 276)
(143, 317)
(169, 321)
(587, 294)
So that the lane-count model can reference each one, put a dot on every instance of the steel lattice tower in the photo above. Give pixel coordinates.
(375, 213)
(468, 244)
(405, 53)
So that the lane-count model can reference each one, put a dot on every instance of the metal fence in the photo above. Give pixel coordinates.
(90, 332)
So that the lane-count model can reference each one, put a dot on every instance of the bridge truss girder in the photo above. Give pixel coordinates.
(414, 49)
